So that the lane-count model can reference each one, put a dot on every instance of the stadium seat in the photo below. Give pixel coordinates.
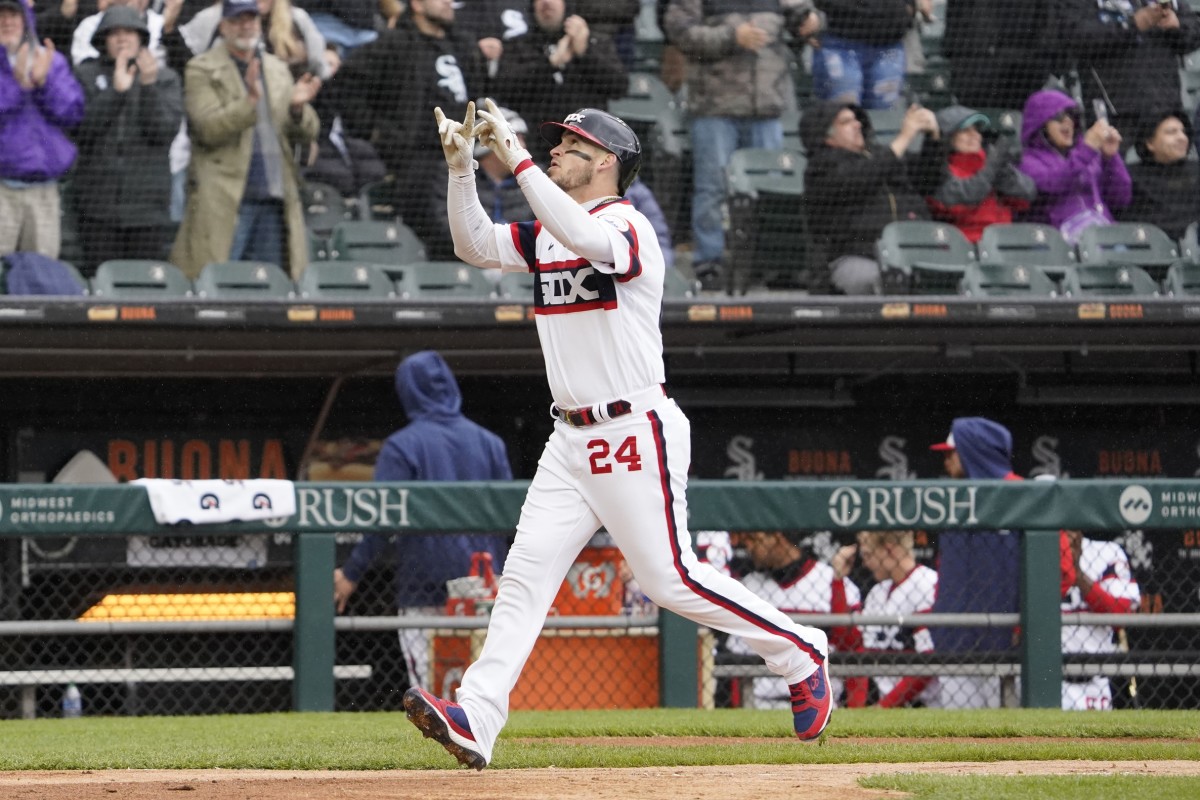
(1026, 244)
(1006, 280)
(1136, 244)
(243, 280)
(1107, 280)
(452, 280)
(323, 207)
(1189, 245)
(516, 286)
(143, 279)
(345, 280)
(1182, 279)
(376, 242)
(923, 257)
(767, 234)
(678, 286)
(377, 201)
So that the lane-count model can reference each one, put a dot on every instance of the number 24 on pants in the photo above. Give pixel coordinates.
(603, 456)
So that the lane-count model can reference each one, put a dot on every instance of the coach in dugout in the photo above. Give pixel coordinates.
(980, 571)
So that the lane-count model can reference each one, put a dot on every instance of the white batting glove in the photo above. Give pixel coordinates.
(497, 134)
(458, 141)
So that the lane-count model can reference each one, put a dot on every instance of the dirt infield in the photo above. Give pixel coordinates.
(750, 782)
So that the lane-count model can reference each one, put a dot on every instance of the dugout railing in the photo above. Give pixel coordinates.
(1039, 509)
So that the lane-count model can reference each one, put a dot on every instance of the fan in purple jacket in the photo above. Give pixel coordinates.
(39, 99)
(1080, 177)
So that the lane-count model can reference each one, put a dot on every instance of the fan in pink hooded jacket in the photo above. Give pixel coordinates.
(1080, 177)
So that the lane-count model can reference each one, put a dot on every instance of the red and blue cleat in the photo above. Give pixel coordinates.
(811, 708)
(445, 723)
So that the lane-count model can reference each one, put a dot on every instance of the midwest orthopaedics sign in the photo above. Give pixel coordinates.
(348, 507)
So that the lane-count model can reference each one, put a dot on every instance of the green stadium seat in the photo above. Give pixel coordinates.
(324, 207)
(921, 257)
(1109, 280)
(243, 280)
(516, 286)
(452, 280)
(677, 286)
(1183, 279)
(1026, 244)
(768, 237)
(376, 242)
(345, 280)
(142, 279)
(1006, 280)
(1137, 244)
(1189, 245)
(377, 201)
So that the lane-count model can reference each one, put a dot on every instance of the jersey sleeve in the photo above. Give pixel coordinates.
(627, 258)
(518, 246)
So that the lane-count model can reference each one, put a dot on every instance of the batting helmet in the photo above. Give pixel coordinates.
(604, 130)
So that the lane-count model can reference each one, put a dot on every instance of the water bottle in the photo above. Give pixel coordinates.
(72, 702)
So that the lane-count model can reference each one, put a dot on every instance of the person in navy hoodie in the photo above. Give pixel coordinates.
(39, 101)
(978, 571)
(438, 444)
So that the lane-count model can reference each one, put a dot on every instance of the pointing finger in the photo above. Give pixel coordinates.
(439, 116)
(469, 120)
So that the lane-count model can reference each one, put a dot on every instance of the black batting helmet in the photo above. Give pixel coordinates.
(604, 130)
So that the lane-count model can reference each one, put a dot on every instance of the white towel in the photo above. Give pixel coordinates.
(202, 502)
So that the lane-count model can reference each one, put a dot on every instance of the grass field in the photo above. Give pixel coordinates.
(940, 755)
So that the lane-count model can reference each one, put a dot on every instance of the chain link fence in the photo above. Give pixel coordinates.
(194, 628)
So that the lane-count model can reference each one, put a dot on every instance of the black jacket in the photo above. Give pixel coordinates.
(878, 22)
(851, 196)
(123, 174)
(1138, 70)
(539, 92)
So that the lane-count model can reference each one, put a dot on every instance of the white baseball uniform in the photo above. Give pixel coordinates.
(913, 595)
(806, 587)
(597, 298)
(1114, 591)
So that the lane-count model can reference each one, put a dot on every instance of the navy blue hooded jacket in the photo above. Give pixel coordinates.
(438, 444)
(979, 571)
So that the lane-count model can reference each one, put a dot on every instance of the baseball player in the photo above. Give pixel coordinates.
(903, 587)
(620, 449)
(1099, 580)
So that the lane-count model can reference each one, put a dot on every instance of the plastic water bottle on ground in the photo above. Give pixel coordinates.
(72, 702)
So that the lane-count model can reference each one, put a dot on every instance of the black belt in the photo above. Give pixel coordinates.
(583, 417)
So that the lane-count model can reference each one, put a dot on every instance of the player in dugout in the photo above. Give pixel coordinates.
(620, 449)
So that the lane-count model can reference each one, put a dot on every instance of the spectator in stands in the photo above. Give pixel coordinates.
(438, 444)
(787, 575)
(493, 19)
(978, 571)
(245, 115)
(739, 84)
(614, 19)
(182, 36)
(1080, 179)
(133, 110)
(643, 199)
(1001, 52)
(903, 587)
(58, 21)
(290, 34)
(40, 101)
(855, 187)
(559, 66)
(345, 24)
(386, 92)
(861, 58)
(1166, 183)
(1127, 53)
(1098, 581)
(81, 41)
(965, 184)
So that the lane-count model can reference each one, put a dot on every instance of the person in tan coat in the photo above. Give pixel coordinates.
(245, 116)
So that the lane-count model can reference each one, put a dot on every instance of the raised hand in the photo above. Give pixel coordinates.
(458, 140)
(147, 66)
(253, 88)
(42, 60)
(498, 135)
(123, 73)
(304, 90)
